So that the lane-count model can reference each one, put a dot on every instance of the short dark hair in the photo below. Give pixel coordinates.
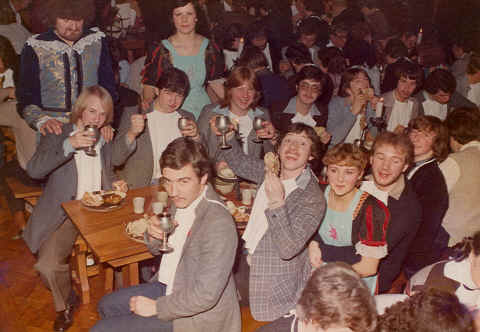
(308, 26)
(469, 245)
(257, 29)
(464, 125)
(298, 128)
(184, 151)
(398, 141)
(432, 124)
(411, 71)
(311, 73)
(359, 53)
(396, 49)
(227, 35)
(347, 77)
(440, 80)
(337, 28)
(71, 9)
(174, 80)
(298, 54)
(252, 57)
(332, 59)
(430, 311)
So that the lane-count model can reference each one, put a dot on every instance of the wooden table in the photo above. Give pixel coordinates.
(104, 232)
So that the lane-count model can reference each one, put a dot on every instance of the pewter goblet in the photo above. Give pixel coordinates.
(167, 226)
(222, 123)
(257, 125)
(182, 123)
(92, 129)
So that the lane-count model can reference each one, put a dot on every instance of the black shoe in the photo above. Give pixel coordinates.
(64, 319)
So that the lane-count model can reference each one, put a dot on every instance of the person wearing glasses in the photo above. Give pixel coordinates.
(310, 82)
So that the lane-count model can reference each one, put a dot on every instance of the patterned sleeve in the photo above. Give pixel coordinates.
(156, 63)
(369, 231)
(214, 62)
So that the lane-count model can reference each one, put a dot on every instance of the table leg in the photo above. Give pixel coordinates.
(133, 274)
(108, 273)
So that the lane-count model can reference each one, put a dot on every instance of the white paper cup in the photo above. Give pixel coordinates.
(157, 207)
(246, 196)
(162, 197)
(138, 203)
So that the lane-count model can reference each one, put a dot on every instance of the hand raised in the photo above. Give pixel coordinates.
(190, 130)
(137, 124)
(81, 139)
(274, 189)
(267, 132)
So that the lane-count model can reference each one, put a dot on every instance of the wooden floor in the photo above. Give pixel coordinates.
(26, 305)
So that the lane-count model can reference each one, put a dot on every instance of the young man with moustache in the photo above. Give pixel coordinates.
(286, 213)
(194, 288)
(391, 156)
(400, 106)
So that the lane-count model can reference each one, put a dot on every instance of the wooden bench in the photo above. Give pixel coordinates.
(21, 190)
(80, 270)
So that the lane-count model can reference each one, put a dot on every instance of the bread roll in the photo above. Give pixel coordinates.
(272, 163)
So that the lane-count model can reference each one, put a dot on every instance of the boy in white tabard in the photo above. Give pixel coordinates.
(439, 96)
(142, 136)
(400, 106)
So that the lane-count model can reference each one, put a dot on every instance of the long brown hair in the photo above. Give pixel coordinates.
(239, 76)
(432, 124)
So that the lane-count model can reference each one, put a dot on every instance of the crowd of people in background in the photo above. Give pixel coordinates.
(371, 222)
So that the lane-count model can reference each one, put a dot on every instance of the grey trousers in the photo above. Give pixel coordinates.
(114, 309)
(52, 263)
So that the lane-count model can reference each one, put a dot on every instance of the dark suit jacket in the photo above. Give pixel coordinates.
(49, 160)
(456, 101)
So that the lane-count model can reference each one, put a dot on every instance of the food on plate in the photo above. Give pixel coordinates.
(137, 227)
(91, 199)
(112, 198)
(102, 198)
(272, 163)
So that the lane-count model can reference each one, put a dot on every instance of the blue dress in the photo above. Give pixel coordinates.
(194, 67)
(336, 230)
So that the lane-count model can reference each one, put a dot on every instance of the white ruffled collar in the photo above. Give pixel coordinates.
(62, 47)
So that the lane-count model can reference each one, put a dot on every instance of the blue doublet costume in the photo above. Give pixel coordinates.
(53, 73)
